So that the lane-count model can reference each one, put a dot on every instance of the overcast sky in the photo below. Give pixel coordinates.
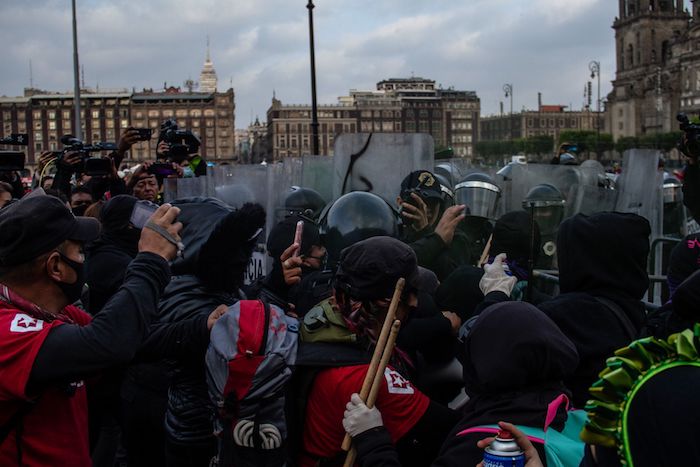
(262, 45)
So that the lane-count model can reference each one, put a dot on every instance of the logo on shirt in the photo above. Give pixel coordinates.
(25, 323)
(396, 383)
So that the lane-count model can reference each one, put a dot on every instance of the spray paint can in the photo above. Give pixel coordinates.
(504, 452)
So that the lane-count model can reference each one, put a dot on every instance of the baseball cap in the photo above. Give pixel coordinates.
(423, 183)
(369, 269)
(37, 224)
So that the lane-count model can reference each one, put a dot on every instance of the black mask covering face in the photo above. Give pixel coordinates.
(80, 209)
(74, 290)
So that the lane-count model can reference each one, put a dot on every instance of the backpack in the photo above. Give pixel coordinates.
(251, 351)
(562, 448)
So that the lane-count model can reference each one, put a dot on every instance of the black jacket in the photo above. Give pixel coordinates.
(107, 257)
(434, 254)
(604, 255)
(218, 245)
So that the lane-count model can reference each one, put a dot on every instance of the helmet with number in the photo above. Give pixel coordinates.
(480, 194)
(353, 217)
(305, 202)
(547, 204)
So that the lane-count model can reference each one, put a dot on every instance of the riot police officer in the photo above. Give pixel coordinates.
(480, 194)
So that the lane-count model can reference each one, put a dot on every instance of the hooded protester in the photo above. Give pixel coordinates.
(107, 257)
(219, 242)
(602, 278)
(517, 383)
(337, 339)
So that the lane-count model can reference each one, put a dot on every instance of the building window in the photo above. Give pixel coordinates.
(139, 115)
(37, 115)
(209, 112)
(168, 113)
(110, 113)
(124, 123)
(52, 125)
(153, 113)
(181, 112)
(95, 114)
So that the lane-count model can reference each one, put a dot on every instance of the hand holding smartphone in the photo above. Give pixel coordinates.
(297, 236)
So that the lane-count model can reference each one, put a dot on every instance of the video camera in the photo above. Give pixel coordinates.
(690, 145)
(94, 166)
(13, 161)
(182, 142)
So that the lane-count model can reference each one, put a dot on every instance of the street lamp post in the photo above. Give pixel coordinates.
(594, 67)
(78, 130)
(508, 90)
(314, 108)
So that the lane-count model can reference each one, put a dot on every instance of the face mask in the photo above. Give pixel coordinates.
(80, 210)
(73, 291)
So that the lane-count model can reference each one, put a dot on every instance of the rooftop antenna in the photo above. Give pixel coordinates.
(31, 75)
(208, 58)
(82, 75)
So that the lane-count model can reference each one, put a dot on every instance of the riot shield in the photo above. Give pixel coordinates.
(378, 162)
(641, 192)
(317, 173)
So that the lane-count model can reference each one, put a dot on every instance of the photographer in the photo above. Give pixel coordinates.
(48, 347)
(180, 147)
(688, 145)
(72, 162)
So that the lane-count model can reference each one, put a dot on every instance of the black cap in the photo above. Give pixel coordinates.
(38, 224)
(423, 183)
(370, 269)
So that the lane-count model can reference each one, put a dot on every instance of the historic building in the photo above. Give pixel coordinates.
(547, 120)
(408, 105)
(207, 78)
(106, 114)
(658, 66)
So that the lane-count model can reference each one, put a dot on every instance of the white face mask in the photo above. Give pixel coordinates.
(187, 172)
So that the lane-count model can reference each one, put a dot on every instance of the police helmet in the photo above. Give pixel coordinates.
(547, 204)
(305, 202)
(356, 216)
(480, 194)
(448, 196)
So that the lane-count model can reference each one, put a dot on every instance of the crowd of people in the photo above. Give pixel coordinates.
(109, 323)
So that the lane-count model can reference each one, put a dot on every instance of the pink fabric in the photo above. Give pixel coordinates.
(552, 409)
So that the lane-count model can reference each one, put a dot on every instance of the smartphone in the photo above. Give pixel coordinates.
(162, 169)
(144, 133)
(143, 210)
(11, 161)
(297, 236)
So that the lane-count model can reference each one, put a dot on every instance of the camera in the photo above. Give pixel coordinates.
(13, 161)
(145, 134)
(690, 145)
(93, 166)
(182, 142)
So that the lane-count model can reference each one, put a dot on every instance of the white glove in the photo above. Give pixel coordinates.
(495, 277)
(359, 418)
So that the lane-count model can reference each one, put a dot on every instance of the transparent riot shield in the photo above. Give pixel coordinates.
(641, 192)
(317, 173)
(378, 162)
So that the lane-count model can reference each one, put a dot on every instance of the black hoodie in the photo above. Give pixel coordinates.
(603, 255)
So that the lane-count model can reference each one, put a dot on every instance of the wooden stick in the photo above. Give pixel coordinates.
(378, 381)
(485, 253)
(379, 377)
(378, 350)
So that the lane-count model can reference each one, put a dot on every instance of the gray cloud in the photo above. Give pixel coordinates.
(538, 45)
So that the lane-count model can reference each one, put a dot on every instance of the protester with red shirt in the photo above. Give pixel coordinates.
(48, 347)
(364, 283)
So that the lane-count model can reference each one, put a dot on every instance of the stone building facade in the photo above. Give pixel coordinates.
(658, 66)
(106, 114)
(548, 120)
(398, 105)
